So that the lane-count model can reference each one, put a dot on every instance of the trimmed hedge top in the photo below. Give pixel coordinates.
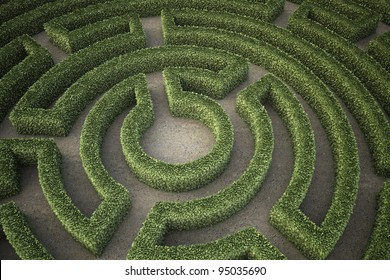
(207, 47)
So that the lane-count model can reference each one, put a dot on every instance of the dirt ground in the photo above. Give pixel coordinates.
(180, 140)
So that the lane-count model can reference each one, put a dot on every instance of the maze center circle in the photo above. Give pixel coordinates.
(178, 141)
(171, 139)
(305, 177)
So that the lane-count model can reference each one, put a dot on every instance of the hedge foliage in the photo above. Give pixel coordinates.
(177, 177)
(379, 245)
(22, 62)
(344, 17)
(349, 88)
(35, 112)
(359, 63)
(328, 109)
(245, 244)
(161, 175)
(111, 67)
(76, 30)
(14, 8)
(229, 72)
(166, 216)
(370, 74)
(30, 116)
(380, 6)
(19, 235)
(379, 48)
(32, 22)
(298, 125)
(266, 10)
(93, 232)
(178, 24)
(103, 113)
(179, 81)
(74, 40)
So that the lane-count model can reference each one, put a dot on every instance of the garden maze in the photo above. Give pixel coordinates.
(285, 108)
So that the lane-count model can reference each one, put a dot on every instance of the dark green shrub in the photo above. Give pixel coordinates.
(156, 173)
(30, 116)
(93, 232)
(380, 50)
(177, 25)
(32, 21)
(345, 18)
(359, 63)
(380, 6)
(332, 117)
(22, 62)
(245, 244)
(378, 248)
(19, 235)
(74, 40)
(203, 212)
(177, 177)
(11, 9)
(33, 115)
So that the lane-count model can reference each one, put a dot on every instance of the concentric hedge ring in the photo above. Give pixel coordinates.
(207, 47)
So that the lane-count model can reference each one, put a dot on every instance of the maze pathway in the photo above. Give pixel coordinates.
(231, 129)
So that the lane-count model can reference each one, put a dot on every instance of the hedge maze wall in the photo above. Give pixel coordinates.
(315, 69)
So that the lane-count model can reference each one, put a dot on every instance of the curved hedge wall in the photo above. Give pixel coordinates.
(208, 50)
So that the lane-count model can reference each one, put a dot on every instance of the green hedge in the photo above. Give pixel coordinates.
(359, 63)
(357, 98)
(266, 10)
(166, 216)
(134, 90)
(22, 62)
(74, 40)
(328, 109)
(370, 74)
(19, 235)
(229, 72)
(12, 54)
(13, 8)
(33, 113)
(345, 18)
(298, 125)
(349, 88)
(380, 6)
(9, 179)
(177, 177)
(94, 232)
(69, 31)
(302, 136)
(32, 21)
(379, 49)
(31, 117)
(379, 246)
(245, 244)
(102, 114)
